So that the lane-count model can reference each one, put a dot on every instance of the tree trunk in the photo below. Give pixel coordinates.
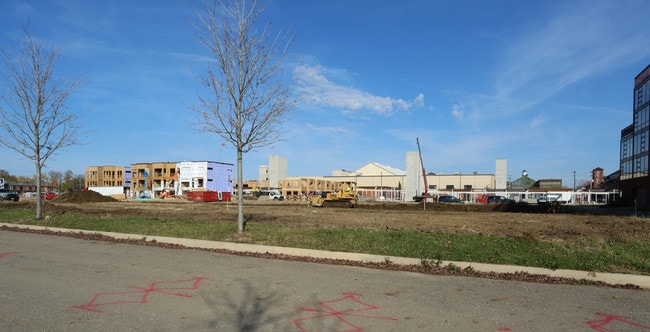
(240, 193)
(39, 202)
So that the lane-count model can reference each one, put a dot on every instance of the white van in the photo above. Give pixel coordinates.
(275, 196)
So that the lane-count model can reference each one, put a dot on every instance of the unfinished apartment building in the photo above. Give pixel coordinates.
(107, 176)
(150, 179)
(302, 188)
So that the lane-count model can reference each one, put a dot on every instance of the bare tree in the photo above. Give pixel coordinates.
(56, 178)
(249, 98)
(33, 105)
(69, 180)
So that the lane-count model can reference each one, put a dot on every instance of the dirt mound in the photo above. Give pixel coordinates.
(84, 197)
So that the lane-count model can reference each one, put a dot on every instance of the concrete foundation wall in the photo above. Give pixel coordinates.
(501, 175)
(277, 170)
(414, 183)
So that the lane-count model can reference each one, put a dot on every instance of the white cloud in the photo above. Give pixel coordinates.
(537, 121)
(419, 101)
(457, 112)
(316, 88)
(581, 41)
(328, 130)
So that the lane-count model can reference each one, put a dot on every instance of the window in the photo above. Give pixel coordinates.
(642, 94)
(639, 97)
(641, 118)
(467, 187)
(450, 187)
(640, 143)
(626, 149)
(641, 166)
(626, 169)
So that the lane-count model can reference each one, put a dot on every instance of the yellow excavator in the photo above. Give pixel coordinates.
(344, 196)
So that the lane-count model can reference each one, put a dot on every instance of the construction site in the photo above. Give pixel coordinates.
(489, 220)
(373, 182)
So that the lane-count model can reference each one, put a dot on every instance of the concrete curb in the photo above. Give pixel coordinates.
(610, 278)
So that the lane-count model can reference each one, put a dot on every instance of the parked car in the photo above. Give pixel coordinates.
(49, 195)
(9, 195)
(500, 200)
(545, 199)
(449, 199)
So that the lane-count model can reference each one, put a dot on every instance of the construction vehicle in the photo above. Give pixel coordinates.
(344, 196)
(425, 194)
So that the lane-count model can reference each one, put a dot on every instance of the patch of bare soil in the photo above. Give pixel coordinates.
(437, 218)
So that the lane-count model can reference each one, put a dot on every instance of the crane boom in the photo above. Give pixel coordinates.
(424, 172)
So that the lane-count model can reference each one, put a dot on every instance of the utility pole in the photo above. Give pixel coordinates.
(574, 181)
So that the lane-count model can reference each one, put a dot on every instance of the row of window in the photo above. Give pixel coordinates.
(626, 148)
(450, 187)
(642, 95)
(640, 143)
(637, 167)
(634, 146)
(641, 118)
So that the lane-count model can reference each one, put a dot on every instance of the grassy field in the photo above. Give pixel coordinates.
(587, 254)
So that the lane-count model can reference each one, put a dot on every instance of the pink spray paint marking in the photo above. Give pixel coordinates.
(342, 309)
(3, 254)
(141, 295)
(599, 324)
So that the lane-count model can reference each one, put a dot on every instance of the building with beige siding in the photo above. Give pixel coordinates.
(109, 180)
(380, 182)
(149, 180)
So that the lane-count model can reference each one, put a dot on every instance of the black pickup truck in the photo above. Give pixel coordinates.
(9, 195)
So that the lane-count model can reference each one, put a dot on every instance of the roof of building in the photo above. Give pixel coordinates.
(373, 168)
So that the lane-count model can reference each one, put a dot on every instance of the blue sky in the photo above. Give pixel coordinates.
(546, 85)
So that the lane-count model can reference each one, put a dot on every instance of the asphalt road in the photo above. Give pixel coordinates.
(58, 283)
